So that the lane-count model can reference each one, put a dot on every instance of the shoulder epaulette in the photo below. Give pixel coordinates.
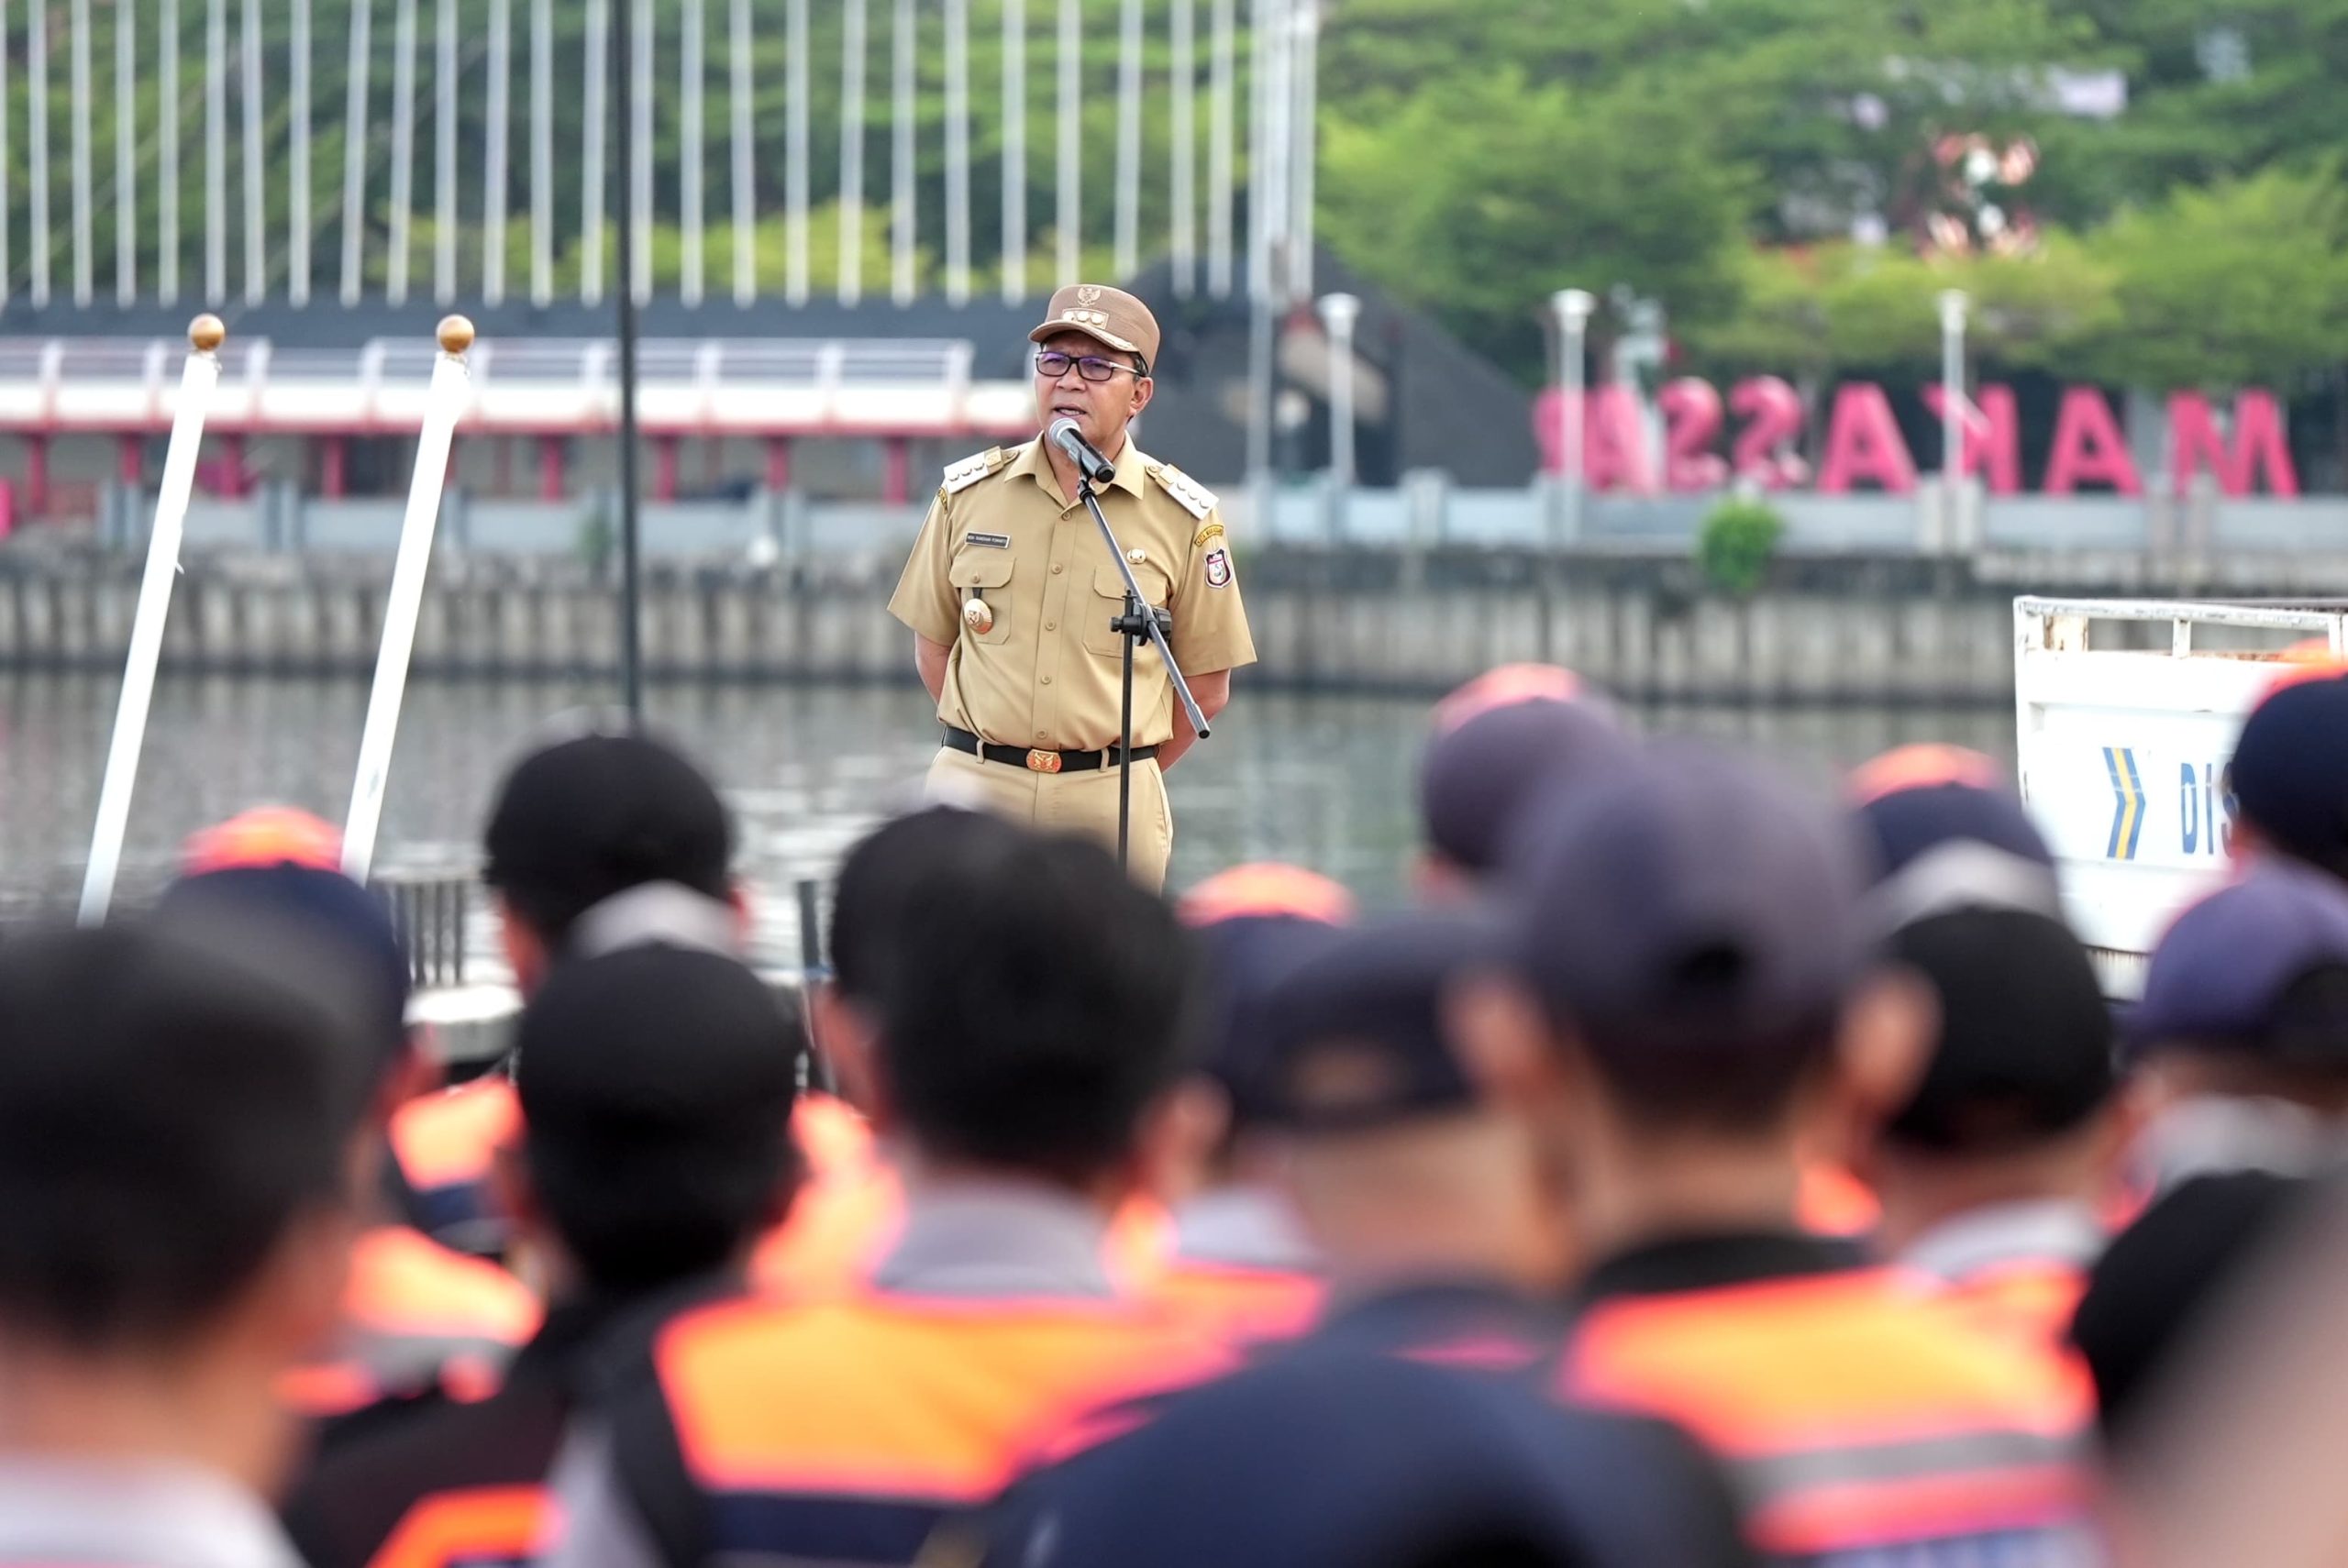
(971, 470)
(1196, 499)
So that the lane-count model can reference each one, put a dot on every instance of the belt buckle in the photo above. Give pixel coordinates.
(1043, 762)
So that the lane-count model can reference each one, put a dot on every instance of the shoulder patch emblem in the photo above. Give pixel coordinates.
(1194, 497)
(961, 476)
(1219, 567)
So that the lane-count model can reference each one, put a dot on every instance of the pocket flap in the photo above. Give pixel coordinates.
(1109, 583)
(981, 569)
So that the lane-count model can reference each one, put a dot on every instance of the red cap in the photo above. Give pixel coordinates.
(266, 835)
(1267, 888)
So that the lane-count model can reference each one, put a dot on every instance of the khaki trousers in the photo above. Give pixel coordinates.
(1083, 804)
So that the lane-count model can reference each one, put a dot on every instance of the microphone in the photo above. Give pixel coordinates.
(1063, 433)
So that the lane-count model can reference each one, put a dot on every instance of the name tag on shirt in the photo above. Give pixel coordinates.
(992, 541)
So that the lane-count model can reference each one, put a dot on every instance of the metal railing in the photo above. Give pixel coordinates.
(781, 386)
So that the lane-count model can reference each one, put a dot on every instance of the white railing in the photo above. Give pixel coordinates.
(714, 386)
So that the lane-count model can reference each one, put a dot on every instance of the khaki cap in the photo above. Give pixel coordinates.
(1111, 315)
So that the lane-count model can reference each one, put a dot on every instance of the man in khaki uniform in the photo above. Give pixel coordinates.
(1010, 592)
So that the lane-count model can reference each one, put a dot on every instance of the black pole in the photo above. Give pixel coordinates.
(631, 561)
(1134, 612)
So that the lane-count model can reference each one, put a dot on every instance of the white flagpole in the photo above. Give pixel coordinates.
(354, 158)
(402, 149)
(746, 217)
(248, 94)
(494, 187)
(900, 139)
(443, 403)
(1182, 132)
(445, 70)
(1127, 231)
(1014, 151)
(957, 152)
(1219, 150)
(794, 155)
(125, 153)
(1070, 166)
(204, 336)
(297, 217)
(851, 199)
(79, 67)
(692, 114)
(541, 152)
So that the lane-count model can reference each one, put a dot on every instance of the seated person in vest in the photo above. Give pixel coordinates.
(416, 1314)
(592, 843)
(1227, 1250)
(655, 1085)
(1516, 735)
(1696, 1004)
(1028, 1004)
(2238, 1056)
(1994, 1175)
(1335, 1456)
(1436, 1239)
(176, 1209)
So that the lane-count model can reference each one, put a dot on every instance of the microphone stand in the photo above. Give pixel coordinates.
(1140, 620)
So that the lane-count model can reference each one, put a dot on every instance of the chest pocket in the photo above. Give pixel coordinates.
(985, 574)
(1109, 602)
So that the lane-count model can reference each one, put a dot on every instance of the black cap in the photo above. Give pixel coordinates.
(2290, 771)
(2258, 966)
(586, 818)
(313, 930)
(630, 1055)
(1914, 799)
(1505, 740)
(1254, 924)
(655, 1085)
(1694, 901)
(2025, 1049)
(1354, 1034)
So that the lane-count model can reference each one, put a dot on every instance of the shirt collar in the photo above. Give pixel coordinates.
(2210, 1134)
(1717, 1261)
(997, 1240)
(1242, 1226)
(1132, 477)
(2052, 1230)
(152, 1513)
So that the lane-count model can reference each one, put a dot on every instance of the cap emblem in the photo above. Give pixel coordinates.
(1086, 294)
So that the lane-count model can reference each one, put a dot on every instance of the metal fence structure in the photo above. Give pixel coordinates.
(344, 149)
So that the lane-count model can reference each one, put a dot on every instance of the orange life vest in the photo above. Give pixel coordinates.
(414, 1314)
(844, 1431)
(1853, 1410)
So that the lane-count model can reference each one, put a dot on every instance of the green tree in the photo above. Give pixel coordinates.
(1477, 200)
(2243, 282)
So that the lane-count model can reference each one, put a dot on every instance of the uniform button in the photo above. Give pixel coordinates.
(1051, 625)
(1047, 680)
(1043, 734)
(1055, 569)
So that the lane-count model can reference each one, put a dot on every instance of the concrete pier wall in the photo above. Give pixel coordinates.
(1847, 630)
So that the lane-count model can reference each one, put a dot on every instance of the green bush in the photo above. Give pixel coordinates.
(1739, 540)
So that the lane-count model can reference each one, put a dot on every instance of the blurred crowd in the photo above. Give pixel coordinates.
(1700, 1171)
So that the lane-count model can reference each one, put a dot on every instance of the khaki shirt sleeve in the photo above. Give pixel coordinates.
(925, 599)
(1210, 623)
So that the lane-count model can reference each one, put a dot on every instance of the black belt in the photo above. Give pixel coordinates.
(1040, 761)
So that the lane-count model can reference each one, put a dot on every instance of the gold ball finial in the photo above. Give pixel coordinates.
(207, 332)
(456, 335)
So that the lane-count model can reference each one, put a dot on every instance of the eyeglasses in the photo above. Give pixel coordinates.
(1051, 363)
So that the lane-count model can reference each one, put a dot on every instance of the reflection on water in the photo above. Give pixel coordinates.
(1323, 780)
